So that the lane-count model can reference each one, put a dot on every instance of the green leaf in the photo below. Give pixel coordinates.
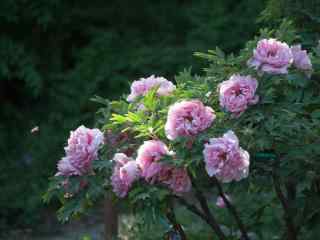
(298, 79)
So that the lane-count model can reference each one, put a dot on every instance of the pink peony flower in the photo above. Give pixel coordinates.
(149, 153)
(144, 85)
(237, 93)
(121, 159)
(271, 56)
(129, 172)
(66, 169)
(225, 159)
(82, 149)
(301, 59)
(180, 181)
(165, 174)
(125, 172)
(177, 179)
(221, 203)
(188, 118)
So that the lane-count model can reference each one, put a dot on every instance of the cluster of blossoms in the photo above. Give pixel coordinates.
(148, 167)
(223, 156)
(275, 57)
(270, 56)
(82, 149)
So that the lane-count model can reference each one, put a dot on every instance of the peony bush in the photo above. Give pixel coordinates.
(237, 147)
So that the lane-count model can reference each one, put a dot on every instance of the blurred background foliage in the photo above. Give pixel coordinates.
(56, 54)
(304, 13)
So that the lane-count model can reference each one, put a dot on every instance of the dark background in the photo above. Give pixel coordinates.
(56, 54)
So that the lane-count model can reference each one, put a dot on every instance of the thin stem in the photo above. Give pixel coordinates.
(172, 219)
(209, 216)
(231, 209)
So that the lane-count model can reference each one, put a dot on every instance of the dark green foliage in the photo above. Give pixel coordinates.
(304, 13)
(54, 55)
(281, 133)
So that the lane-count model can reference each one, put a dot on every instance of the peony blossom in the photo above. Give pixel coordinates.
(188, 118)
(180, 181)
(149, 153)
(129, 172)
(225, 159)
(65, 168)
(177, 179)
(165, 174)
(121, 158)
(237, 93)
(271, 56)
(125, 172)
(221, 203)
(301, 59)
(144, 85)
(82, 149)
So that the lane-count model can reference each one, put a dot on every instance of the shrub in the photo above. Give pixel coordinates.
(247, 132)
(56, 54)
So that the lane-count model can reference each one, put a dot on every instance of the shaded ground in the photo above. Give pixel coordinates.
(88, 228)
(92, 228)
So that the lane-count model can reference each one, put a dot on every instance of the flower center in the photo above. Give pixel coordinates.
(272, 53)
(237, 92)
(188, 119)
(223, 156)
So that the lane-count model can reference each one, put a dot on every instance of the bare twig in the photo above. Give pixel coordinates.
(231, 208)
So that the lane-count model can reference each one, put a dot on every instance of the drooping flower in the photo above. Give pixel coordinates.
(237, 93)
(221, 203)
(125, 172)
(144, 85)
(188, 118)
(301, 59)
(165, 174)
(271, 56)
(82, 149)
(225, 159)
(177, 179)
(149, 153)
(180, 181)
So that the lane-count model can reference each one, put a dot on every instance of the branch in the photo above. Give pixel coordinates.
(209, 216)
(191, 207)
(291, 230)
(172, 219)
(231, 209)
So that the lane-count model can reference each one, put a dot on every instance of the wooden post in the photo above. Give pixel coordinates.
(110, 219)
